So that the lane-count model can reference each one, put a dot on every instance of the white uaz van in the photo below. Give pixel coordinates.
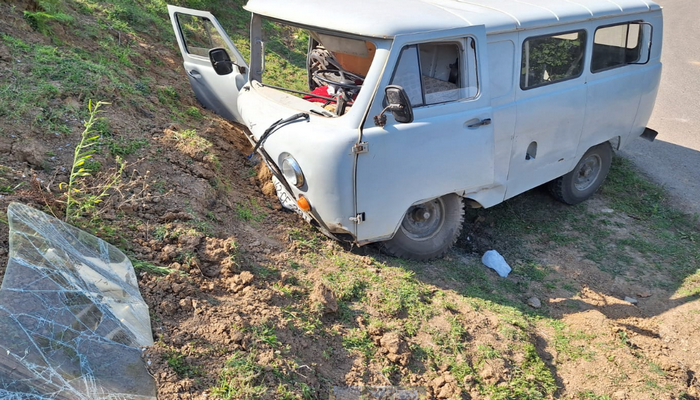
(414, 105)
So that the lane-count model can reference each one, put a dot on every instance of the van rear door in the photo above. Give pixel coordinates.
(198, 32)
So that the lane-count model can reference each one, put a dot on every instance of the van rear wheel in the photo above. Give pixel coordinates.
(585, 179)
(428, 230)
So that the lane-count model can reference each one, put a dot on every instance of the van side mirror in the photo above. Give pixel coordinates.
(399, 105)
(222, 63)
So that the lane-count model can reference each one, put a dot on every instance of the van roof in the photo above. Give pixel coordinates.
(388, 18)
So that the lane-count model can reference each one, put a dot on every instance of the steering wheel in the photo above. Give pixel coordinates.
(341, 78)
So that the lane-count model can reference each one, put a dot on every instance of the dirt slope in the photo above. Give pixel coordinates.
(249, 302)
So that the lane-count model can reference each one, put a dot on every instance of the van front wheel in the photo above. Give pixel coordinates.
(585, 179)
(428, 230)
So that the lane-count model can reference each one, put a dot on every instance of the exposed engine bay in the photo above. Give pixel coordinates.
(337, 67)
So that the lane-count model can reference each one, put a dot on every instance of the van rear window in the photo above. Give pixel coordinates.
(552, 58)
(615, 46)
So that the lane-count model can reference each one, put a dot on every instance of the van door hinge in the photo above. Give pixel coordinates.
(358, 219)
(360, 148)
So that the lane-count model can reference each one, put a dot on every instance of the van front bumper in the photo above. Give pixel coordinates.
(287, 200)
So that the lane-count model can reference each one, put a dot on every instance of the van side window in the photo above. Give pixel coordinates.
(615, 46)
(552, 58)
(200, 35)
(433, 73)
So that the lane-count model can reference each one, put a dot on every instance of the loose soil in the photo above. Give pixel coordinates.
(247, 275)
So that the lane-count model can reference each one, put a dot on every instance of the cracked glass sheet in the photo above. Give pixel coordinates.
(72, 320)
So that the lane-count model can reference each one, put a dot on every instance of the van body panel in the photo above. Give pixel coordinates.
(388, 19)
(216, 92)
(613, 101)
(327, 164)
(436, 154)
(649, 85)
(503, 73)
(547, 121)
(550, 118)
(614, 96)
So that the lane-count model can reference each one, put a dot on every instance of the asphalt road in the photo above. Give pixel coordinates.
(674, 158)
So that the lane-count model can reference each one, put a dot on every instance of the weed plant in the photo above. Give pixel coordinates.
(78, 201)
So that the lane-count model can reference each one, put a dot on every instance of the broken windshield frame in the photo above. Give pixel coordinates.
(327, 69)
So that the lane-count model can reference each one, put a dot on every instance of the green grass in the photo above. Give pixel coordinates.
(60, 70)
(145, 266)
(665, 236)
(10, 188)
(194, 113)
(487, 352)
(588, 395)
(240, 378)
(50, 12)
(572, 345)
(403, 294)
(348, 285)
(26, 94)
(302, 319)
(359, 340)
(250, 211)
(531, 380)
(534, 271)
(182, 368)
(125, 147)
(189, 137)
(266, 334)
(305, 238)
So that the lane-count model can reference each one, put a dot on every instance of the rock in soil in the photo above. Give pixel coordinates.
(534, 302)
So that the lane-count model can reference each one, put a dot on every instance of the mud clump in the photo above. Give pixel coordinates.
(217, 257)
(239, 282)
(323, 298)
(394, 348)
(494, 371)
(445, 387)
(30, 151)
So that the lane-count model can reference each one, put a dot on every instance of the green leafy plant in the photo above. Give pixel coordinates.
(78, 200)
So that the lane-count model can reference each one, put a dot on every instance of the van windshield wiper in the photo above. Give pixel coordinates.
(274, 127)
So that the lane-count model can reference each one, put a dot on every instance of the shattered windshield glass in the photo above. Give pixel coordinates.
(72, 317)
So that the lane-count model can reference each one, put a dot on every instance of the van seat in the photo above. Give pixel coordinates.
(439, 91)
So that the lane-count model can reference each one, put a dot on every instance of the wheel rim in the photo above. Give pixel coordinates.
(588, 172)
(424, 221)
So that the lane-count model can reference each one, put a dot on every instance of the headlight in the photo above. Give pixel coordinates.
(292, 171)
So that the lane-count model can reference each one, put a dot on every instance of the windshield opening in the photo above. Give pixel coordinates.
(324, 69)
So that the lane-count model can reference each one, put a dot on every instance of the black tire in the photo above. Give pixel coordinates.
(586, 177)
(428, 230)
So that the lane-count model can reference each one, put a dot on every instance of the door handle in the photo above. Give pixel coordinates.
(483, 122)
(193, 73)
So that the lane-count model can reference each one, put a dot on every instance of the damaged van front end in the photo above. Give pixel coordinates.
(309, 156)
(306, 135)
(308, 138)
